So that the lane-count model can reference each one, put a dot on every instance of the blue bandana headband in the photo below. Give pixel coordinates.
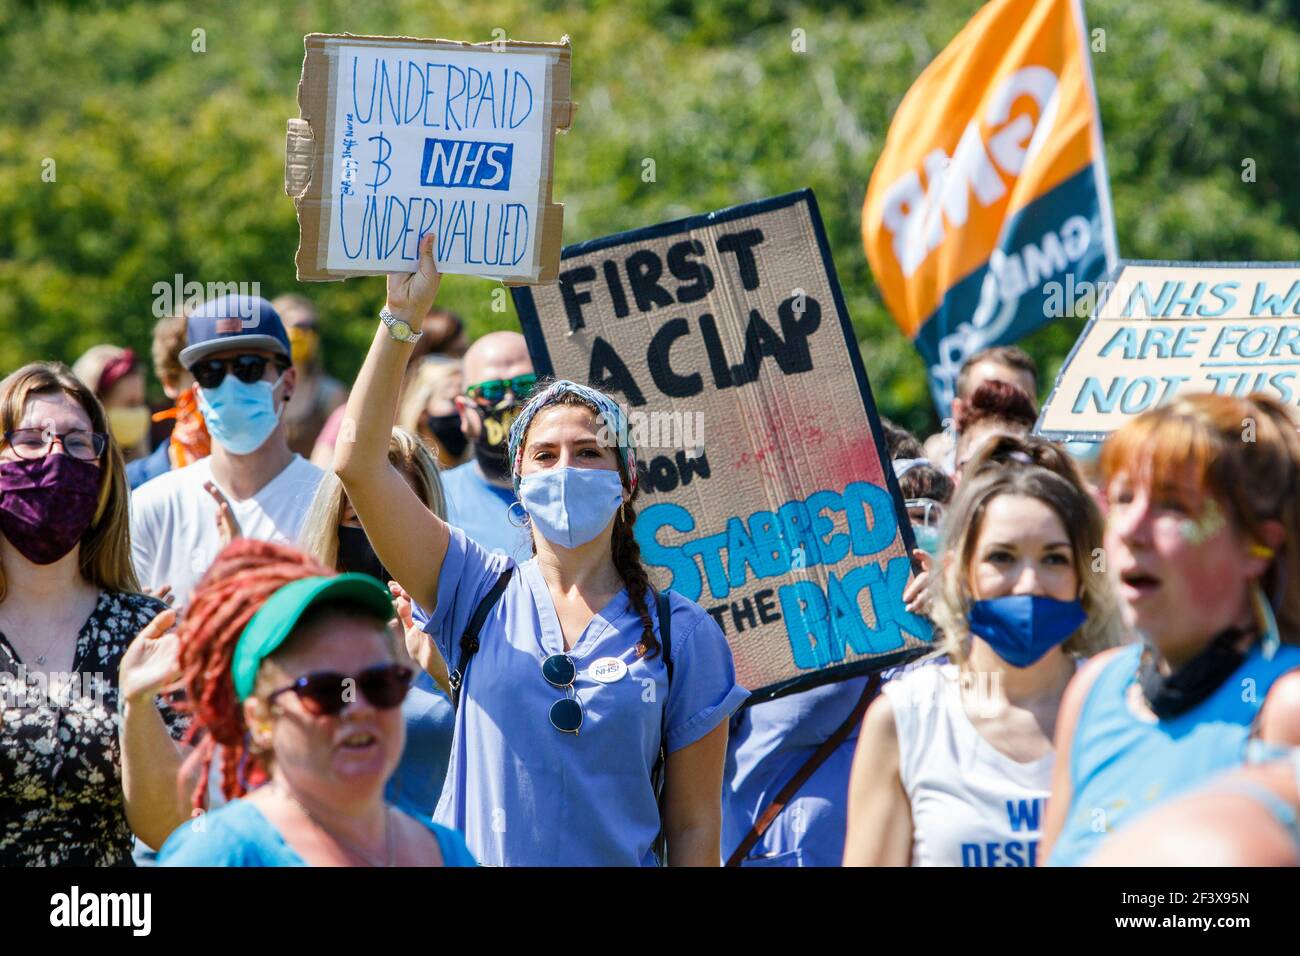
(610, 414)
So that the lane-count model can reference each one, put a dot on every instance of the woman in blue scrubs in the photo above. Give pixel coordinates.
(565, 705)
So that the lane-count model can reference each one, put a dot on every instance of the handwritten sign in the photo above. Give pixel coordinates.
(400, 138)
(762, 494)
(1167, 329)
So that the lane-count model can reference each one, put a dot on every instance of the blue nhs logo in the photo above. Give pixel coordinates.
(465, 164)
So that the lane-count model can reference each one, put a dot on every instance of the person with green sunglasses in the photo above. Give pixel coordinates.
(499, 376)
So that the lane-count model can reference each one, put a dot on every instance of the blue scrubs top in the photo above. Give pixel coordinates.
(237, 834)
(769, 743)
(417, 783)
(522, 792)
(481, 510)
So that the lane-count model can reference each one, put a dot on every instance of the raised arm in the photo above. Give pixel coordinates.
(409, 539)
(879, 831)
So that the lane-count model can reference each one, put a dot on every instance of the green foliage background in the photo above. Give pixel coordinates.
(171, 161)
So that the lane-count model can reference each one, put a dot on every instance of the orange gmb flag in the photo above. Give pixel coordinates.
(989, 204)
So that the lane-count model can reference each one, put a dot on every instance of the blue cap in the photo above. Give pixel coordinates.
(234, 322)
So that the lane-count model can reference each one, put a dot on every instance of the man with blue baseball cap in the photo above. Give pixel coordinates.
(252, 484)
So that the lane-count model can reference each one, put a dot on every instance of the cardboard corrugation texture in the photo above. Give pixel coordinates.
(308, 139)
(777, 439)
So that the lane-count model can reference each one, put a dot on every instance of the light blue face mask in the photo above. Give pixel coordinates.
(570, 506)
(240, 416)
(927, 539)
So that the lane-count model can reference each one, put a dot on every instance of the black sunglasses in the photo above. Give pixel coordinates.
(494, 390)
(566, 713)
(248, 368)
(327, 693)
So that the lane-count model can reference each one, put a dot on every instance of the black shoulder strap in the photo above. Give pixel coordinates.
(469, 640)
(664, 608)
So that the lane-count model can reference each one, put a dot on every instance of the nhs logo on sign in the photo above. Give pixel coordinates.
(465, 164)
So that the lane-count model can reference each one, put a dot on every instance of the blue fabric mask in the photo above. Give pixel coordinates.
(927, 539)
(1021, 628)
(240, 417)
(570, 506)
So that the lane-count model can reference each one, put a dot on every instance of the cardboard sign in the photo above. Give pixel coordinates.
(1164, 329)
(762, 494)
(402, 137)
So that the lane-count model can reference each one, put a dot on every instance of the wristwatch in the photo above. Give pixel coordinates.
(399, 329)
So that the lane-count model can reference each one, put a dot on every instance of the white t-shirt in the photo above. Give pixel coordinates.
(972, 805)
(174, 536)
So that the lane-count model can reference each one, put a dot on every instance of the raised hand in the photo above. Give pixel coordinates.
(151, 662)
(227, 523)
(411, 295)
(919, 593)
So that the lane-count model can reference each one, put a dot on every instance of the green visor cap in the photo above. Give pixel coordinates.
(283, 609)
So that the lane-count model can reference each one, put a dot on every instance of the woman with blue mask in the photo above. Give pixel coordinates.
(954, 760)
(575, 695)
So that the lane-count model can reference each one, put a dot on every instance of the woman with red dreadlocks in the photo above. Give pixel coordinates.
(291, 669)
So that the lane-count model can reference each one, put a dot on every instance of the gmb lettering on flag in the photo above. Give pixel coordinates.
(991, 188)
(768, 500)
(400, 138)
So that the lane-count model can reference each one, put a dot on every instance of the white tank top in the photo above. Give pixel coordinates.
(971, 804)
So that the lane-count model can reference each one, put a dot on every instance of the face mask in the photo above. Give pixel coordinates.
(1021, 628)
(446, 428)
(490, 446)
(356, 554)
(128, 425)
(1169, 695)
(570, 506)
(240, 417)
(46, 504)
(303, 345)
(927, 539)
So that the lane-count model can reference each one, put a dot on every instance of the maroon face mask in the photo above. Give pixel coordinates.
(46, 504)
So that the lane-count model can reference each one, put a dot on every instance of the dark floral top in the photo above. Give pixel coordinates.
(61, 797)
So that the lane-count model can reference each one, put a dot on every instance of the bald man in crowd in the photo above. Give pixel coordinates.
(498, 376)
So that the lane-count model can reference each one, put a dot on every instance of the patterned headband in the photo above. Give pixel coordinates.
(609, 412)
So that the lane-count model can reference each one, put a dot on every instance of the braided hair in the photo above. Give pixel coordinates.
(235, 587)
(624, 550)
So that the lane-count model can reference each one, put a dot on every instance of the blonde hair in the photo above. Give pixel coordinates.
(105, 559)
(1082, 520)
(319, 537)
(1244, 453)
(429, 377)
(90, 366)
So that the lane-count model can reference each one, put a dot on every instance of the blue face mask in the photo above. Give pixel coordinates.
(1021, 628)
(927, 539)
(570, 506)
(240, 417)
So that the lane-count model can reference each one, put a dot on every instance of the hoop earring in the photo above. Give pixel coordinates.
(522, 520)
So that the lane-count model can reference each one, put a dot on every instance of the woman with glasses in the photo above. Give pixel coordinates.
(86, 752)
(580, 688)
(292, 670)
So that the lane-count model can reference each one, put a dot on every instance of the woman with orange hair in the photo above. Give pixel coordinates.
(291, 670)
(1203, 534)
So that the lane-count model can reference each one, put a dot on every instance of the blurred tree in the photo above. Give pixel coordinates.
(164, 122)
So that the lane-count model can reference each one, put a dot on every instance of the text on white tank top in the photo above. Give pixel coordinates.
(972, 805)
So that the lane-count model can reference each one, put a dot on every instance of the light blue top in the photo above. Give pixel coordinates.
(417, 783)
(1121, 765)
(481, 510)
(526, 794)
(769, 743)
(237, 834)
